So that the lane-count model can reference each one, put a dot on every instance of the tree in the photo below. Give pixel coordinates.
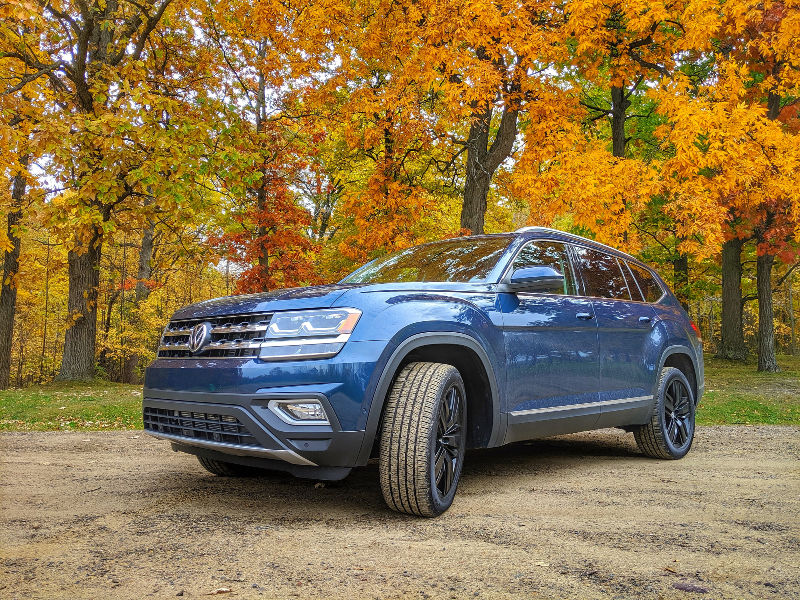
(107, 144)
(21, 107)
(735, 160)
(258, 153)
(736, 168)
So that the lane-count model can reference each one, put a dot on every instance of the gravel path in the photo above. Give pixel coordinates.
(119, 515)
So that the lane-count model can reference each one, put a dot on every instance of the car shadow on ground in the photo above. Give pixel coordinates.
(360, 493)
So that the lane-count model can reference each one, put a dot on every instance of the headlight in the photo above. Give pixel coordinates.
(313, 323)
(307, 334)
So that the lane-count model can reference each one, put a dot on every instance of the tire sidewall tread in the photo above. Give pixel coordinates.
(407, 435)
(651, 437)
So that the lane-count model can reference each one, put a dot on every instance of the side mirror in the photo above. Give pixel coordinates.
(538, 278)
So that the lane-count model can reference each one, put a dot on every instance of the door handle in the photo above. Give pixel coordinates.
(644, 319)
(585, 316)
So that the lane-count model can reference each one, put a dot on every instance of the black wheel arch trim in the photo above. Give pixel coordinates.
(698, 375)
(395, 360)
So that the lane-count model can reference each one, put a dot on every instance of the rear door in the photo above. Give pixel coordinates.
(551, 350)
(626, 331)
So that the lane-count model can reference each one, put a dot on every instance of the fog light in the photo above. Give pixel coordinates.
(300, 412)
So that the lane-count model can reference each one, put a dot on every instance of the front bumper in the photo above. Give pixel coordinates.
(241, 428)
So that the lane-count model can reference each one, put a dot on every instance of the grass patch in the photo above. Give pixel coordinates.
(735, 394)
(93, 405)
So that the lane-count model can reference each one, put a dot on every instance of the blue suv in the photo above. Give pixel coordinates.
(464, 343)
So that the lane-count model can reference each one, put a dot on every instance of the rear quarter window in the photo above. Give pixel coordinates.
(647, 283)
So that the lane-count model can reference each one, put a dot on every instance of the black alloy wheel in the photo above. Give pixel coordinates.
(678, 413)
(670, 431)
(448, 448)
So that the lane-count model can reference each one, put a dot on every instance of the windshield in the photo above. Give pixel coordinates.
(461, 260)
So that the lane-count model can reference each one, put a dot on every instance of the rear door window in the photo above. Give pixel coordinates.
(548, 254)
(647, 283)
(602, 274)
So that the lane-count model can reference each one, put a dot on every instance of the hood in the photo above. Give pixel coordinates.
(320, 296)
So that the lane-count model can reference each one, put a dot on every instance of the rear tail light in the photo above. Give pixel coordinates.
(696, 330)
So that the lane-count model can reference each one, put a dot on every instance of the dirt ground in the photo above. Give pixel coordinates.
(119, 515)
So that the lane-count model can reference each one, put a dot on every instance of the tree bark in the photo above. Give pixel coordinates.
(8, 290)
(80, 341)
(680, 269)
(766, 326)
(790, 301)
(766, 316)
(619, 111)
(46, 312)
(261, 192)
(482, 162)
(143, 275)
(732, 343)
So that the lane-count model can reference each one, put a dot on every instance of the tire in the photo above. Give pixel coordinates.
(226, 469)
(423, 439)
(670, 432)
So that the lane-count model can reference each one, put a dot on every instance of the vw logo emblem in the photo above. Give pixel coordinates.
(201, 334)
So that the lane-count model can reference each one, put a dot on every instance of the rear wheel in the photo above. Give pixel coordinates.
(226, 469)
(670, 432)
(423, 439)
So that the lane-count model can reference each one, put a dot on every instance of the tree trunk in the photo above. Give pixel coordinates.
(46, 312)
(261, 192)
(619, 110)
(80, 339)
(680, 269)
(483, 161)
(476, 190)
(732, 343)
(8, 289)
(766, 326)
(790, 300)
(144, 273)
(766, 317)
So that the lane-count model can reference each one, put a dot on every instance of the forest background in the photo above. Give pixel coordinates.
(158, 153)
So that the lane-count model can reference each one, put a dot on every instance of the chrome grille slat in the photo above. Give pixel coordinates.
(232, 336)
(180, 332)
(237, 329)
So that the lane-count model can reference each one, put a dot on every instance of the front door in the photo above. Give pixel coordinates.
(551, 351)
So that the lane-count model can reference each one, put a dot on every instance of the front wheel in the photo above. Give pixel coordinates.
(670, 432)
(423, 439)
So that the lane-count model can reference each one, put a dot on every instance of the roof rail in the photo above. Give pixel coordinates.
(530, 228)
(538, 228)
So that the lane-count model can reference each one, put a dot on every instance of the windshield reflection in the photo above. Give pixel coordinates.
(464, 260)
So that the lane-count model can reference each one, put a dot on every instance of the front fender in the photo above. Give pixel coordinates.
(384, 376)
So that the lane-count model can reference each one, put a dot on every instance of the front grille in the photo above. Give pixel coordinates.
(232, 336)
(192, 425)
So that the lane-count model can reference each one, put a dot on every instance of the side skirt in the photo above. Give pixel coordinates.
(559, 420)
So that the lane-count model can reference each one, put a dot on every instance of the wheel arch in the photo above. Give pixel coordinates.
(682, 359)
(468, 356)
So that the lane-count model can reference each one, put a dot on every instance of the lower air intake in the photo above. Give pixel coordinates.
(210, 427)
